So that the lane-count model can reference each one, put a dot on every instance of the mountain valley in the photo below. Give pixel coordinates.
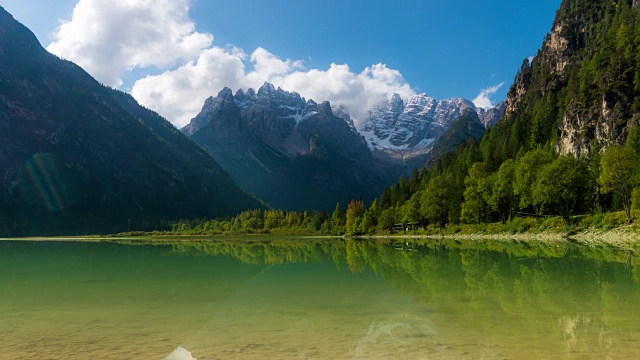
(297, 154)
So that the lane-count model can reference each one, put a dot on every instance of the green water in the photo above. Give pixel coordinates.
(326, 299)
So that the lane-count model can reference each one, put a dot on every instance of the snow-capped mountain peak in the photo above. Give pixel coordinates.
(399, 125)
(416, 124)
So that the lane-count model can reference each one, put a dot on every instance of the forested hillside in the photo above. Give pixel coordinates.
(568, 144)
(77, 157)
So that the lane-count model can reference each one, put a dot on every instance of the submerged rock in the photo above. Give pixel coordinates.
(180, 353)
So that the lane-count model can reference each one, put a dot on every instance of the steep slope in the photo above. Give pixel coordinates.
(77, 157)
(463, 129)
(293, 153)
(583, 86)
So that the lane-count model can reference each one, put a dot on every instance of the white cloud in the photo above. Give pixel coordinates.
(483, 100)
(267, 65)
(179, 94)
(110, 37)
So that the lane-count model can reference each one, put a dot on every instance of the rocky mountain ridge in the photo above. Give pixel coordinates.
(414, 126)
(292, 152)
(295, 153)
(408, 128)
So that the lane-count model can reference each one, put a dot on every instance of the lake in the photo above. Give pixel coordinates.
(272, 298)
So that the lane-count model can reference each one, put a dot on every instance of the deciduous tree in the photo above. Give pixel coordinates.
(526, 176)
(563, 186)
(619, 169)
(355, 212)
(475, 206)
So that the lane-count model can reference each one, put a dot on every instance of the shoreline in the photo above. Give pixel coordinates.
(159, 237)
(617, 236)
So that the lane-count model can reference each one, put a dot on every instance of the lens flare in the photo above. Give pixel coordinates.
(49, 186)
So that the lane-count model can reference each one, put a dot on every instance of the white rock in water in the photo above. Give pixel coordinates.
(180, 353)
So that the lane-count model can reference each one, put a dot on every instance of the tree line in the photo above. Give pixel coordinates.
(537, 183)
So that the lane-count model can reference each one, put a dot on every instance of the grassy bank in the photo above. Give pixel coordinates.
(609, 228)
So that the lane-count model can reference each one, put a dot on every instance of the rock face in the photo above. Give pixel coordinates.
(555, 53)
(291, 152)
(489, 117)
(412, 128)
(79, 158)
(581, 88)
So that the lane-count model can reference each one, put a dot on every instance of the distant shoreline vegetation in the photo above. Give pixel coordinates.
(537, 193)
(608, 227)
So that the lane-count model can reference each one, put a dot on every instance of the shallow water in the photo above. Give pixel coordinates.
(329, 299)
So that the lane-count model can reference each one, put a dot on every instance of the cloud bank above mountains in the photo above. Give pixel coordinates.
(110, 38)
(179, 94)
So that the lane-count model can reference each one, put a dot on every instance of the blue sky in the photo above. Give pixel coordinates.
(444, 48)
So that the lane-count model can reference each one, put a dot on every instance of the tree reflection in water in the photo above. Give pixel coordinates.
(496, 290)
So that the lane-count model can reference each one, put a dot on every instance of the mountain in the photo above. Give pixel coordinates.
(582, 89)
(409, 130)
(489, 117)
(78, 157)
(292, 153)
(462, 130)
(297, 154)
